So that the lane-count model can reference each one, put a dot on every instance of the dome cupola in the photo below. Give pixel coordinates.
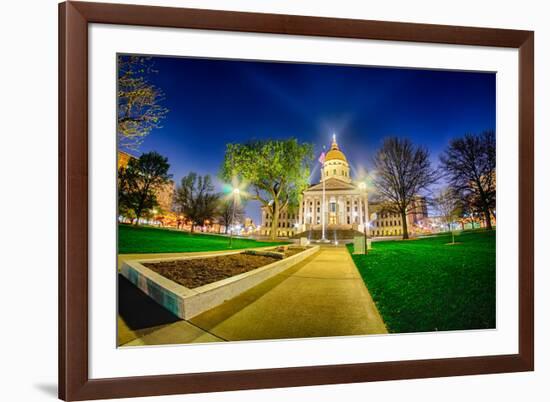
(336, 164)
(335, 152)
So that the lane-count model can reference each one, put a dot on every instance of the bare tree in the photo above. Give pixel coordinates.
(139, 101)
(470, 165)
(402, 171)
(196, 199)
(230, 212)
(447, 204)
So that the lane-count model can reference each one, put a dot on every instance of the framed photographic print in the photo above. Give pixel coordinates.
(259, 200)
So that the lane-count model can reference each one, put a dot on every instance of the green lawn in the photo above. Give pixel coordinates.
(427, 285)
(135, 240)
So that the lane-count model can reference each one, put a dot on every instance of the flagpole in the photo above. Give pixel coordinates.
(323, 238)
(322, 161)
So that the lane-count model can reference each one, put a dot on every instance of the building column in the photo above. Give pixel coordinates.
(339, 215)
(314, 211)
(300, 213)
(346, 199)
(344, 210)
(306, 210)
(311, 214)
(361, 220)
(327, 212)
(351, 208)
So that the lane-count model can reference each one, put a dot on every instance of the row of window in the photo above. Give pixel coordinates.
(319, 202)
(332, 208)
(386, 215)
(377, 224)
(283, 215)
(397, 232)
(280, 233)
(280, 224)
(387, 223)
(343, 173)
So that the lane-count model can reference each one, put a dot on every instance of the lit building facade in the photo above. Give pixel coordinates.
(347, 206)
(384, 223)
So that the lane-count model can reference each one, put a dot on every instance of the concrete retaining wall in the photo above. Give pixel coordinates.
(186, 303)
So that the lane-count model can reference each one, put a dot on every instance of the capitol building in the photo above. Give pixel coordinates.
(347, 208)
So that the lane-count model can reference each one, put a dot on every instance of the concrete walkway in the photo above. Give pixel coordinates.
(322, 296)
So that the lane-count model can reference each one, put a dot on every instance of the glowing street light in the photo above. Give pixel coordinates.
(236, 192)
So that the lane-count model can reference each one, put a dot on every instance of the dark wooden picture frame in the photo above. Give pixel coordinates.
(74, 381)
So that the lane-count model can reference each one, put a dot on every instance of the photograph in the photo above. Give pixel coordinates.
(263, 200)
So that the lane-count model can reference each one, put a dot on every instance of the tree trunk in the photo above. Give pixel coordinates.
(488, 224)
(404, 224)
(192, 227)
(275, 220)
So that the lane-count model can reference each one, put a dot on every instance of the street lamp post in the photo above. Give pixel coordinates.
(235, 195)
(363, 188)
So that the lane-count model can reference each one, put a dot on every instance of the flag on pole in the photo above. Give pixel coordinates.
(322, 158)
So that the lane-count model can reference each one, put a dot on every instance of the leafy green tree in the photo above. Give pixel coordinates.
(276, 172)
(139, 182)
(196, 199)
(139, 101)
(402, 171)
(470, 166)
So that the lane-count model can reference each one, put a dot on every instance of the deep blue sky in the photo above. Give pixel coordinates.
(213, 102)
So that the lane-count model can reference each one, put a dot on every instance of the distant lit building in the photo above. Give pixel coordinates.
(249, 226)
(384, 223)
(123, 159)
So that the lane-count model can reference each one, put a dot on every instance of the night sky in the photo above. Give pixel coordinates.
(213, 102)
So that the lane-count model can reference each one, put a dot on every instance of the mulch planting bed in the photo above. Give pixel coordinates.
(197, 272)
(292, 251)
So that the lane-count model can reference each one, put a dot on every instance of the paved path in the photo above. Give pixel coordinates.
(322, 296)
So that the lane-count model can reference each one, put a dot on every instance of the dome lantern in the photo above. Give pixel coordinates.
(336, 164)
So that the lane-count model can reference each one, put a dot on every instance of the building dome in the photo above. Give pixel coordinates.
(335, 152)
(336, 165)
